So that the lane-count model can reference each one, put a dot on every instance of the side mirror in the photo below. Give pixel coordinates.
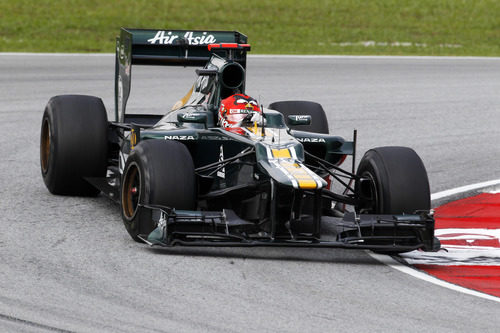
(192, 117)
(299, 120)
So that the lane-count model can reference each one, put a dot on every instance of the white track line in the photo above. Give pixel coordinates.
(298, 56)
(463, 189)
(332, 56)
(389, 261)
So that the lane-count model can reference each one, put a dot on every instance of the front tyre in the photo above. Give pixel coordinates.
(394, 181)
(157, 172)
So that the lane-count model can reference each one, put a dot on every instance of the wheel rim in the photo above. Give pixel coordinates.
(45, 146)
(131, 191)
(369, 194)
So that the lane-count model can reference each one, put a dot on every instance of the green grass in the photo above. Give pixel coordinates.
(398, 27)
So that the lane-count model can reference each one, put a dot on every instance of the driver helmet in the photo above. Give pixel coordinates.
(236, 110)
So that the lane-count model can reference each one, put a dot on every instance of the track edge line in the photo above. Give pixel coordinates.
(391, 262)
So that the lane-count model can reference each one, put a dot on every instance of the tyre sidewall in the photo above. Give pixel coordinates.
(368, 168)
(141, 221)
(167, 176)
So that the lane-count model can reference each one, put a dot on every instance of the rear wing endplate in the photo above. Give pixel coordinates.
(167, 48)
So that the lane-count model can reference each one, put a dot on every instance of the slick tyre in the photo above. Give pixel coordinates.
(394, 182)
(319, 122)
(73, 144)
(157, 172)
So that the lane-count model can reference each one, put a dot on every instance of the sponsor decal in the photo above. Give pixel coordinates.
(168, 38)
(297, 118)
(190, 116)
(233, 111)
(179, 137)
(221, 172)
(311, 139)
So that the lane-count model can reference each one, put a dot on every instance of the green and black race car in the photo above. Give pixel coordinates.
(183, 179)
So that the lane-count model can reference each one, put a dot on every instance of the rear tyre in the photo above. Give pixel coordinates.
(157, 172)
(319, 123)
(73, 144)
(395, 182)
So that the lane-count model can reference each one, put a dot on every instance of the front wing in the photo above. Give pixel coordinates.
(383, 233)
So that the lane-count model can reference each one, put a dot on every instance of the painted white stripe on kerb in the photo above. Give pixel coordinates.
(465, 253)
(389, 261)
(456, 256)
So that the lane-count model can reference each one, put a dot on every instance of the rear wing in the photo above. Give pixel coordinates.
(167, 48)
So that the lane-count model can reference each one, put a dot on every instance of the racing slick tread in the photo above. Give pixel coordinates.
(319, 123)
(400, 178)
(73, 144)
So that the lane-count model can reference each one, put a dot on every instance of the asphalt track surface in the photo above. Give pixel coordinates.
(67, 263)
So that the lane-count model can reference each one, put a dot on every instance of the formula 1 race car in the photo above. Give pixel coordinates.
(221, 170)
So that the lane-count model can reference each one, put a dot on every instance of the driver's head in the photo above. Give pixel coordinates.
(235, 109)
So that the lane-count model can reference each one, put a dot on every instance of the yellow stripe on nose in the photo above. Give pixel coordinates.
(281, 153)
(307, 184)
(303, 178)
